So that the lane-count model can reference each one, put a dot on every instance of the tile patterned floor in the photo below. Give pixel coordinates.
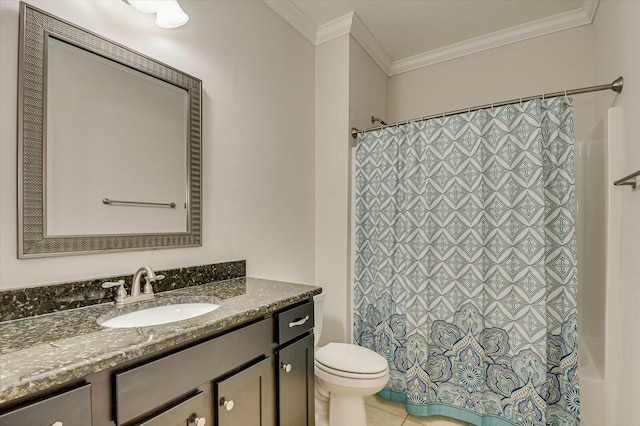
(381, 412)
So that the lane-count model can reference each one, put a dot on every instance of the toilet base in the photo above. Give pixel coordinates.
(346, 410)
(345, 404)
(321, 406)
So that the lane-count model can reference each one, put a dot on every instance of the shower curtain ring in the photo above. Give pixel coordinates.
(520, 101)
(565, 93)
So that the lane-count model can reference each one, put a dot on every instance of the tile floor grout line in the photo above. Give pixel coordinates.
(385, 408)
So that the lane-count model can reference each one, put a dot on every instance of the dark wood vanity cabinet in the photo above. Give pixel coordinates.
(142, 391)
(295, 377)
(256, 374)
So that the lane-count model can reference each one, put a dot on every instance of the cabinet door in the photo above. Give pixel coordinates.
(296, 384)
(246, 398)
(189, 411)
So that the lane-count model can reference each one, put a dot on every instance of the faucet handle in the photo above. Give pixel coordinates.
(121, 293)
(112, 284)
(147, 284)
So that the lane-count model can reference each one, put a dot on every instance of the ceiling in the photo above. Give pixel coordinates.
(407, 34)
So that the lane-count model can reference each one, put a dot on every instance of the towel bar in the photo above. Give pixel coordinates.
(144, 203)
(628, 180)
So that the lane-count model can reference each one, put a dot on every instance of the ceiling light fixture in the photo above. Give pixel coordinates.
(169, 14)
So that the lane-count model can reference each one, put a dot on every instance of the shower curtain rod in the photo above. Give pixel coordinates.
(616, 86)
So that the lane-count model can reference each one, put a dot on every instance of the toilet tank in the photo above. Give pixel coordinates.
(318, 314)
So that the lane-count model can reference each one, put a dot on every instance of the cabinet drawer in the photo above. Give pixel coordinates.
(295, 322)
(72, 408)
(149, 386)
(179, 414)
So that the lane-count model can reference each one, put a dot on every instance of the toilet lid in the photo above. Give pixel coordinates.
(351, 358)
(349, 375)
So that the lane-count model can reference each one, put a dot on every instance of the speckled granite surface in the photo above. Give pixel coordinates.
(31, 301)
(43, 351)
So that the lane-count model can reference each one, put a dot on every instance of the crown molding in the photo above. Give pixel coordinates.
(540, 27)
(370, 44)
(298, 20)
(590, 7)
(334, 29)
(351, 24)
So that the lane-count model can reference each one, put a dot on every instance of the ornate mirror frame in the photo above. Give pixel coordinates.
(35, 28)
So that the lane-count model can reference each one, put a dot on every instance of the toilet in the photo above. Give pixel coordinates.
(345, 374)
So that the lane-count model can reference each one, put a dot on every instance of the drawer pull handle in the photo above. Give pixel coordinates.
(299, 322)
(57, 424)
(286, 367)
(228, 405)
(197, 421)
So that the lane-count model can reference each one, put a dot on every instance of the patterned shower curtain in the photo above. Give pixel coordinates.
(465, 272)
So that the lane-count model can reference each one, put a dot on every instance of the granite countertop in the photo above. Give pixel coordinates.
(47, 350)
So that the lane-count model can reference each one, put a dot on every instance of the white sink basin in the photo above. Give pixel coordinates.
(159, 315)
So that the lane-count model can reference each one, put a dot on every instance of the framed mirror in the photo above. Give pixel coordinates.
(109, 145)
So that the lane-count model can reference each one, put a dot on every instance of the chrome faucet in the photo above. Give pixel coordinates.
(147, 293)
(150, 278)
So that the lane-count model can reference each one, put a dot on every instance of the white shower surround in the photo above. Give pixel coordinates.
(591, 238)
(597, 356)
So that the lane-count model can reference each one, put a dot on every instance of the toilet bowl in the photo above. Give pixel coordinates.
(345, 374)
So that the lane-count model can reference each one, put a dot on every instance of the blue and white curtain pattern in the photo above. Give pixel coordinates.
(465, 272)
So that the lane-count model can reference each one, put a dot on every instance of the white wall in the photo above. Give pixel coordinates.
(258, 137)
(617, 32)
(367, 88)
(332, 184)
(350, 87)
(554, 62)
